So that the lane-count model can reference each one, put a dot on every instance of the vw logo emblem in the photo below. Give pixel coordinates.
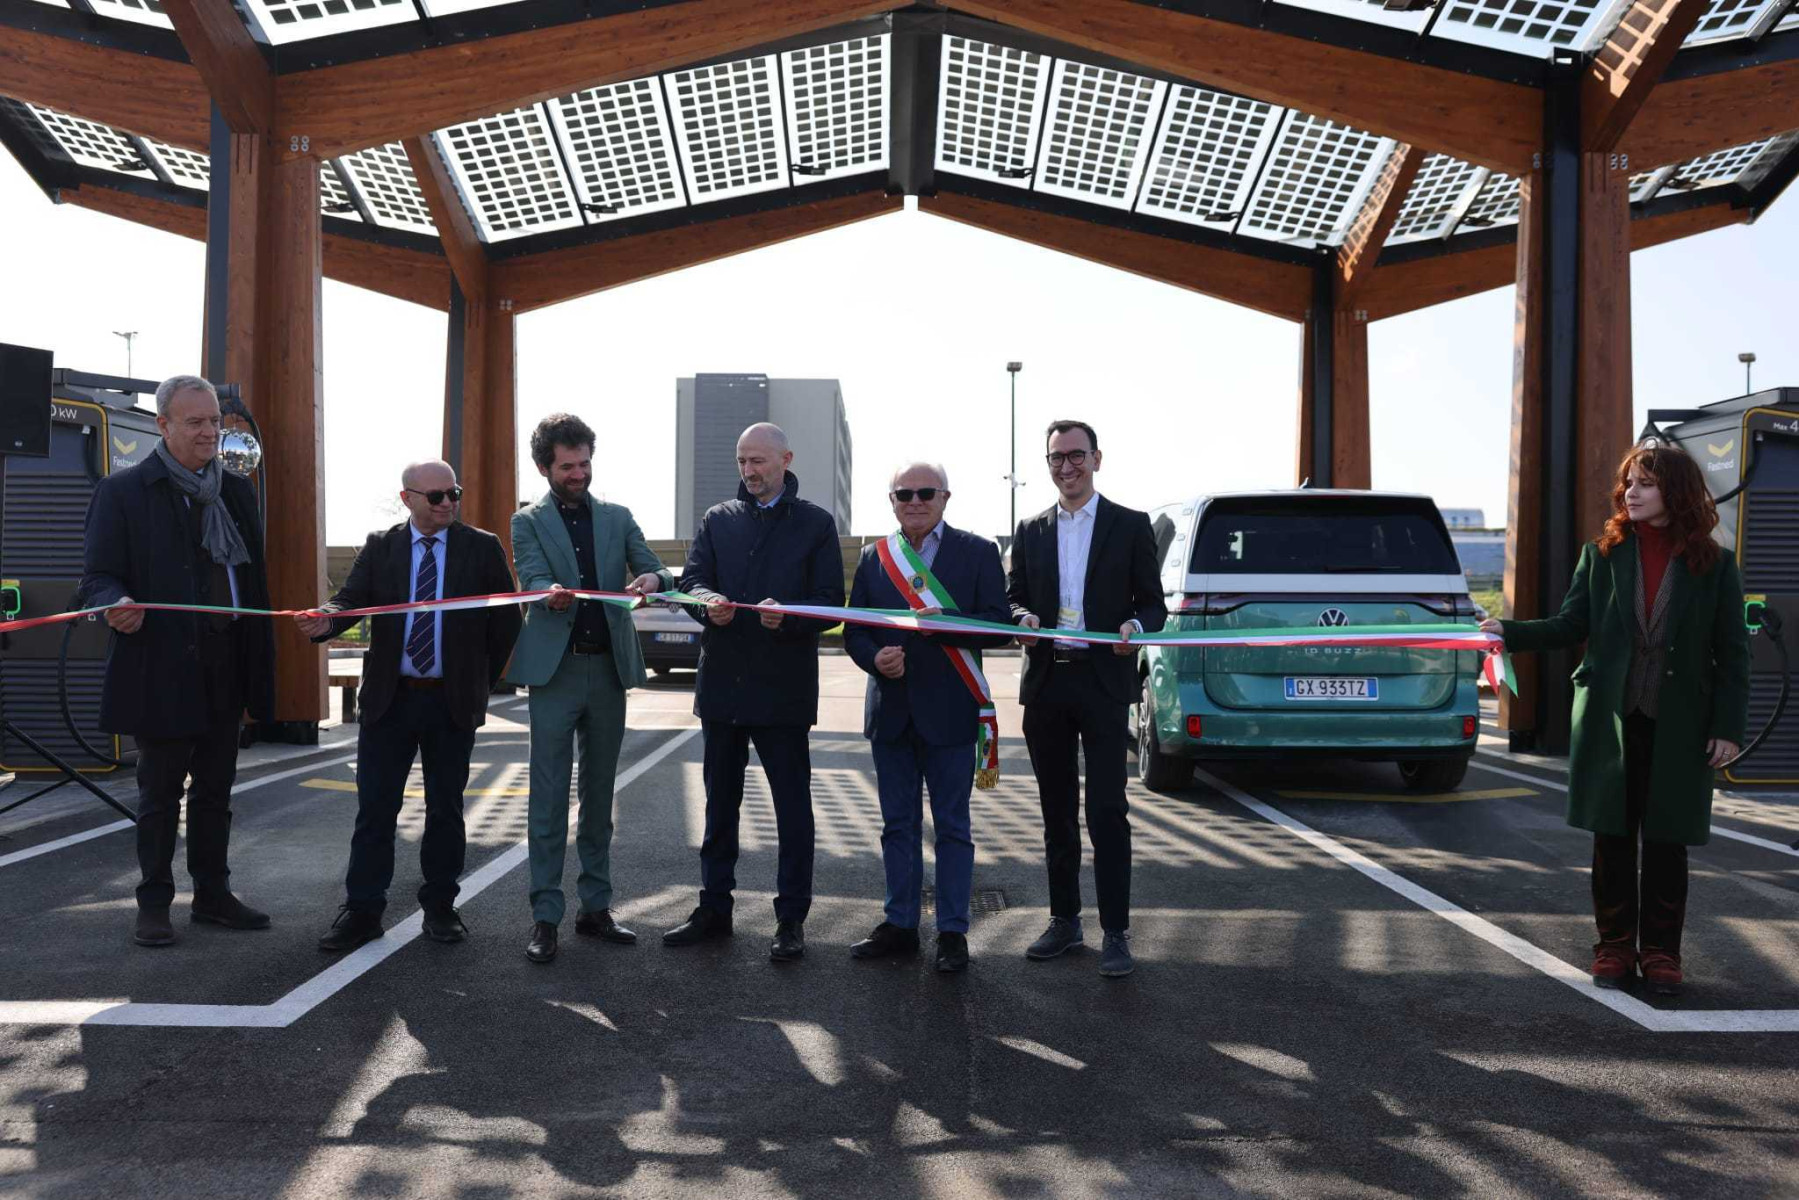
(1333, 617)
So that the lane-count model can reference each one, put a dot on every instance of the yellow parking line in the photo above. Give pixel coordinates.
(345, 785)
(1413, 797)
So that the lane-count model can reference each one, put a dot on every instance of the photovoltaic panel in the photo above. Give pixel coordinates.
(443, 8)
(619, 148)
(1497, 203)
(989, 110)
(1373, 11)
(1729, 18)
(334, 201)
(728, 123)
(1099, 133)
(22, 115)
(383, 175)
(1316, 176)
(281, 21)
(510, 174)
(93, 144)
(1207, 152)
(1734, 165)
(837, 107)
(143, 12)
(1534, 27)
(184, 166)
(1439, 192)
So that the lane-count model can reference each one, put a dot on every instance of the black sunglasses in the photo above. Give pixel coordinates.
(438, 495)
(904, 495)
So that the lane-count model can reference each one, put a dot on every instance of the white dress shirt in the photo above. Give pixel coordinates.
(1074, 546)
(407, 667)
(927, 549)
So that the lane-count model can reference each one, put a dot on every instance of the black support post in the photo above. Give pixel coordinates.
(1320, 363)
(917, 66)
(455, 377)
(218, 248)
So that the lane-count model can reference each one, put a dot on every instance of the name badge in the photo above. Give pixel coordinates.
(1068, 618)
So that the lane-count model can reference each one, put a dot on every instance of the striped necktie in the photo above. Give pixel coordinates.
(421, 644)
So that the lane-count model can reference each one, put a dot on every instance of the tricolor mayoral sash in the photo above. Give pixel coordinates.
(921, 590)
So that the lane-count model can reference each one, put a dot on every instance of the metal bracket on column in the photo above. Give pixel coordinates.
(1322, 368)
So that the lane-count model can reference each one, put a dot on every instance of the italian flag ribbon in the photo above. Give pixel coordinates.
(907, 571)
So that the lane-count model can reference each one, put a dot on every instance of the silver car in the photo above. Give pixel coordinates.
(668, 637)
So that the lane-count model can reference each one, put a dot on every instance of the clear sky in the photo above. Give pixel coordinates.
(917, 316)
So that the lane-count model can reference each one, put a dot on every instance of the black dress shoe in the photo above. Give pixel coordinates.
(229, 911)
(601, 925)
(351, 929)
(789, 943)
(153, 928)
(702, 925)
(886, 939)
(952, 952)
(444, 924)
(542, 946)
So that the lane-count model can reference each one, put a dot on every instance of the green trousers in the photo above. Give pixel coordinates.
(581, 708)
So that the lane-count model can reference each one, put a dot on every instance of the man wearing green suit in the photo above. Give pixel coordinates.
(578, 658)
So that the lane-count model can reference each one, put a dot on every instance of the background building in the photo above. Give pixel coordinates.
(711, 410)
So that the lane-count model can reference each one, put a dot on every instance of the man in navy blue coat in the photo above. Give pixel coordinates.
(921, 718)
(758, 679)
(178, 528)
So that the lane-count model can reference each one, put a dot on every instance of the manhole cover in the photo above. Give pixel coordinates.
(981, 904)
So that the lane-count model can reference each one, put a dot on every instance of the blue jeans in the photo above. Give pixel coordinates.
(903, 769)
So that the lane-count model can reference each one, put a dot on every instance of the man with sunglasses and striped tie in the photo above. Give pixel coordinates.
(425, 682)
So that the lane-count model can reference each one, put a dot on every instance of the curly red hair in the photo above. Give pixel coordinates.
(1691, 513)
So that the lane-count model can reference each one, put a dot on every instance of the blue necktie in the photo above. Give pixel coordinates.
(421, 646)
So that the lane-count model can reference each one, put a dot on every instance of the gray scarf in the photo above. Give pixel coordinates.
(218, 532)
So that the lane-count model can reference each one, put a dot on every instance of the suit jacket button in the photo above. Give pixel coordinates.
(1670, 674)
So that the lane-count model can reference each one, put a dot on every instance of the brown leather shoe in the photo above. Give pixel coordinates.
(1613, 966)
(1661, 972)
(601, 925)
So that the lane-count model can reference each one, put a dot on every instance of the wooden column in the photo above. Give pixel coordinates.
(264, 258)
(1571, 412)
(1333, 393)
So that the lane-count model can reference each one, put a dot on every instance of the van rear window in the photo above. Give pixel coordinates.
(1301, 536)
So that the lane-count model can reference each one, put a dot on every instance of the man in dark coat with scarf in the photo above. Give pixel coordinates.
(758, 680)
(179, 529)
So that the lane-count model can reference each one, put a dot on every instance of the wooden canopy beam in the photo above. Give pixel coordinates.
(1278, 289)
(410, 275)
(1361, 247)
(342, 109)
(222, 50)
(1684, 118)
(1399, 288)
(461, 244)
(108, 86)
(1628, 66)
(1485, 121)
(536, 280)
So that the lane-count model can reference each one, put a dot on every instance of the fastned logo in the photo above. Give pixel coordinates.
(1331, 618)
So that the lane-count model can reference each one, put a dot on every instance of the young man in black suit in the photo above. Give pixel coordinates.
(425, 683)
(1085, 563)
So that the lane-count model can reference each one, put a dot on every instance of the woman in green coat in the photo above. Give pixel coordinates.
(1660, 702)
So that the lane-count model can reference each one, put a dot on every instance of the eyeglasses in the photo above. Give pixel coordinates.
(1077, 457)
(437, 496)
(904, 495)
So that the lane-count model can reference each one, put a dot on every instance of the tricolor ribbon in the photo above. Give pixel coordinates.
(1497, 666)
(907, 571)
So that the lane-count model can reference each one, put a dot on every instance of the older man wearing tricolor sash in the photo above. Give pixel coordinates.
(929, 715)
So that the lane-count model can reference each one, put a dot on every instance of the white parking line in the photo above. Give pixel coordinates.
(1733, 834)
(1653, 1019)
(315, 991)
(75, 839)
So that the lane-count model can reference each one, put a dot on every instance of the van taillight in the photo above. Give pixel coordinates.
(1470, 726)
(1198, 604)
(1193, 727)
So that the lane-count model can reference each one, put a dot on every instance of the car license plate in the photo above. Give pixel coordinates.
(682, 638)
(1332, 687)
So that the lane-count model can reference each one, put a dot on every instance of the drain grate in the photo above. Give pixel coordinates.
(982, 904)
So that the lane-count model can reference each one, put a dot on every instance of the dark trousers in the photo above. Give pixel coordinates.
(416, 724)
(904, 767)
(165, 767)
(787, 762)
(1631, 912)
(1071, 706)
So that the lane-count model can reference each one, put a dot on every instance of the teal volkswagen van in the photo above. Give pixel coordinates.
(1295, 560)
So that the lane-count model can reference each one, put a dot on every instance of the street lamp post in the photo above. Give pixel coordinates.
(129, 336)
(1747, 358)
(1012, 369)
